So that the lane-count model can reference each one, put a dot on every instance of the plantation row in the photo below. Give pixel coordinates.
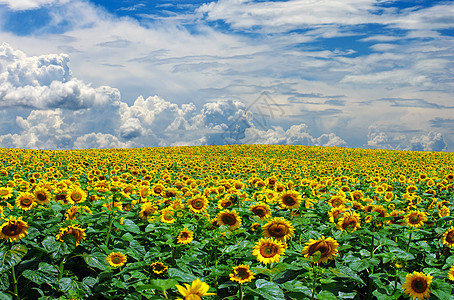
(226, 222)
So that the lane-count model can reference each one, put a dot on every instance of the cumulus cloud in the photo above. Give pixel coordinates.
(46, 82)
(295, 135)
(430, 141)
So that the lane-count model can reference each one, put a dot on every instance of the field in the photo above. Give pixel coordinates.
(226, 222)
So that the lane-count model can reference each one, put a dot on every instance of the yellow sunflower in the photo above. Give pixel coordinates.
(147, 210)
(76, 195)
(268, 250)
(185, 236)
(158, 267)
(78, 233)
(327, 247)
(451, 273)
(116, 259)
(289, 199)
(278, 228)
(71, 212)
(241, 274)
(6, 193)
(335, 213)
(448, 238)
(195, 291)
(398, 217)
(230, 218)
(444, 211)
(261, 210)
(25, 201)
(337, 201)
(198, 204)
(415, 218)
(42, 195)
(13, 229)
(350, 221)
(226, 201)
(417, 285)
(167, 216)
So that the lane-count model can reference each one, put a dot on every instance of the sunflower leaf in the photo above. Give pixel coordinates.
(181, 276)
(267, 290)
(96, 260)
(12, 257)
(4, 296)
(158, 284)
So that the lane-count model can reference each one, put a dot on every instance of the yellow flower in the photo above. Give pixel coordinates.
(194, 291)
(230, 218)
(116, 259)
(350, 221)
(268, 250)
(147, 210)
(42, 195)
(327, 247)
(158, 267)
(185, 237)
(241, 274)
(78, 233)
(198, 204)
(167, 216)
(13, 229)
(417, 285)
(415, 218)
(261, 210)
(76, 195)
(278, 228)
(25, 201)
(289, 199)
(451, 273)
(448, 238)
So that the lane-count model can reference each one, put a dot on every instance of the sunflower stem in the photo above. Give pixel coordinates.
(15, 290)
(241, 292)
(409, 241)
(314, 280)
(61, 268)
(111, 219)
(370, 283)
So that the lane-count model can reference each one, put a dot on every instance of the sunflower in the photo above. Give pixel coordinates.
(451, 273)
(241, 274)
(335, 213)
(327, 247)
(230, 218)
(71, 212)
(268, 250)
(157, 189)
(76, 195)
(185, 236)
(336, 201)
(167, 216)
(415, 218)
(194, 291)
(398, 217)
(226, 201)
(198, 204)
(42, 195)
(158, 267)
(78, 233)
(448, 238)
(13, 229)
(261, 210)
(444, 211)
(278, 228)
(116, 259)
(147, 210)
(25, 201)
(350, 221)
(417, 285)
(289, 199)
(6, 193)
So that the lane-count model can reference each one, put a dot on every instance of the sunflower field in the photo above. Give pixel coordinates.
(226, 222)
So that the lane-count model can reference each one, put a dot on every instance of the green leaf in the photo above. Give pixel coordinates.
(45, 273)
(326, 295)
(12, 257)
(158, 284)
(4, 296)
(181, 276)
(267, 290)
(68, 284)
(96, 260)
(130, 226)
(442, 290)
(4, 281)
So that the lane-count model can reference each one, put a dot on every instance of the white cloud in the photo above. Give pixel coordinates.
(29, 4)
(46, 82)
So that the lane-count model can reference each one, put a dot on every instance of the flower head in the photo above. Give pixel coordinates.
(278, 228)
(417, 285)
(241, 274)
(448, 238)
(158, 267)
(185, 237)
(13, 229)
(327, 247)
(195, 291)
(78, 233)
(268, 250)
(116, 259)
(230, 218)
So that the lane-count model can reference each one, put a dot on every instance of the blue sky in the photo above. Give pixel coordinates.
(121, 73)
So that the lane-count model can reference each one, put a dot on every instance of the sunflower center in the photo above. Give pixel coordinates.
(116, 260)
(414, 219)
(268, 251)
(184, 235)
(76, 196)
(27, 201)
(198, 204)
(158, 267)
(41, 197)
(450, 237)
(229, 219)
(278, 230)
(11, 229)
(321, 246)
(259, 211)
(242, 273)
(289, 200)
(3, 192)
(419, 285)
